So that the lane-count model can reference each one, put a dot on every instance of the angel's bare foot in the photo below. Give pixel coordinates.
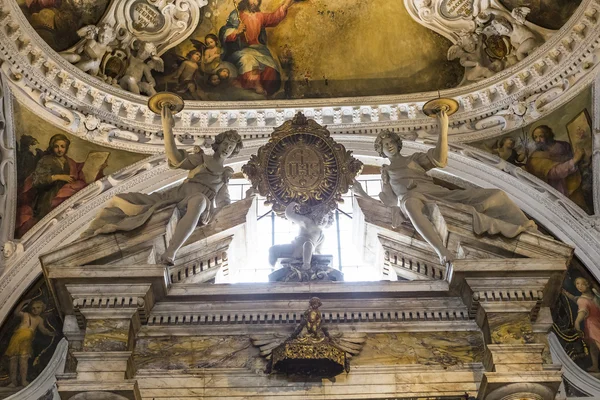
(446, 257)
(166, 259)
(593, 369)
(305, 266)
(12, 385)
(25, 383)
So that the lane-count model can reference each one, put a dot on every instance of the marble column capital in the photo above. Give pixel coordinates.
(538, 385)
(502, 286)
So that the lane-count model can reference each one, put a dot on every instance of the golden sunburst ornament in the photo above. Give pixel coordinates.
(302, 163)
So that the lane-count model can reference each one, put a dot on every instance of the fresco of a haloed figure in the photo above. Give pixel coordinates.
(28, 339)
(57, 21)
(53, 165)
(576, 316)
(307, 49)
(556, 149)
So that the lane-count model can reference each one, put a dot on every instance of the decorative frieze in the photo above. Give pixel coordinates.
(516, 82)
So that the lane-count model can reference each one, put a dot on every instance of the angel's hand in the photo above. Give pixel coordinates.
(442, 117)
(227, 174)
(167, 116)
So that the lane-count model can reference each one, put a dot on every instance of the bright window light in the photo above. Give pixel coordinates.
(271, 230)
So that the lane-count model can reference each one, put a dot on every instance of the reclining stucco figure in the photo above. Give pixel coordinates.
(407, 189)
(196, 198)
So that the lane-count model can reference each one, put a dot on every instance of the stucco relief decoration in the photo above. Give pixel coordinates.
(164, 23)
(302, 163)
(123, 48)
(487, 37)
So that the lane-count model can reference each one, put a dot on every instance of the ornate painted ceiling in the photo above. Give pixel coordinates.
(302, 50)
(357, 66)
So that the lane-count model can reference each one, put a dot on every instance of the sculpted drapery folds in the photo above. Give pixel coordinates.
(196, 198)
(407, 189)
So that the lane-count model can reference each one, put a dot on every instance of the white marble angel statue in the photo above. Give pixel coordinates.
(407, 188)
(204, 188)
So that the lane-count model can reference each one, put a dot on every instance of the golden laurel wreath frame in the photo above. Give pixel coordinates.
(301, 163)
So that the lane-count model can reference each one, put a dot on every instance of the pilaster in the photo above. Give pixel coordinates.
(108, 317)
(505, 298)
(104, 307)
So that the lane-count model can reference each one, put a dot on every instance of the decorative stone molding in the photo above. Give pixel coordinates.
(410, 263)
(164, 23)
(518, 293)
(71, 217)
(284, 314)
(129, 300)
(201, 266)
(524, 390)
(555, 72)
(98, 396)
(449, 19)
(8, 197)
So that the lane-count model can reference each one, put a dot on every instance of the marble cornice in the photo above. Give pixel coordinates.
(172, 317)
(556, 72)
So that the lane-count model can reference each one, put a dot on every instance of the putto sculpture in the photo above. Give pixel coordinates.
(303, 173)
(310, 237)
(407, 189)
(138, 77)
(196, 198)
(87, 55)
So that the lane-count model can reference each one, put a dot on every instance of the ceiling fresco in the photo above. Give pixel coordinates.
(290, 49)
(57, 21)
(318, 49)
(551, 14)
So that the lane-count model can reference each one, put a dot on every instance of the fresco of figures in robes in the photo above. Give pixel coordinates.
(556, 149)
(53, 165)
(576, 316)
(57, 21)
(270, 51)
(28, 339)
